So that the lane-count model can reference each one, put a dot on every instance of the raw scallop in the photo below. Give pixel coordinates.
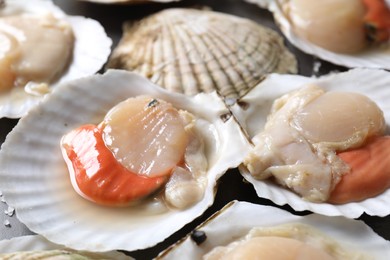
(45, 200)
(350, 239)
(253, 109)
(90, 51)
(376, 56)
(304, 131)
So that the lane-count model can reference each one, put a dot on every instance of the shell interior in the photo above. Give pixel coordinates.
(39, 243)
(261, 3)
(129, 1)
(192, 51)
(221, 231)
(257, 105)
(91, 50)
(46, 202)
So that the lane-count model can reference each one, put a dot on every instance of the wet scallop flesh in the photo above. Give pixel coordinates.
(344, 23)
(40, 47)
(351, 33)
(142, 144)
(312, 143)
(192, 51)
(264, 232)
(34, 49)
(298, 241)
(304, 131)
(89, 112)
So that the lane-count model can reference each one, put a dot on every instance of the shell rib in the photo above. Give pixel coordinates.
(192, 51)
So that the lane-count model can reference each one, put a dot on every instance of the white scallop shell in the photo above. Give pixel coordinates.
(375, 57)
(39, 243)
(261, 3)
(129, 1)
(237, 218)
(192, 51)
(35, 179)
(91, 50)
(255, 107)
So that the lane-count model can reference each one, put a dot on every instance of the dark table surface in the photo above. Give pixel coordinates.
(231, 186)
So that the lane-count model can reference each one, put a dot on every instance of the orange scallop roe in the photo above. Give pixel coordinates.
(369, 175)
(98, 175)
(377, 20)
(129, 155)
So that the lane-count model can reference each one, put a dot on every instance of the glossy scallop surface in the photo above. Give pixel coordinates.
(37, 183)
(219, 231)
(253, 109)
(90, 51)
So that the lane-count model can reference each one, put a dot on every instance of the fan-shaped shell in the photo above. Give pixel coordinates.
(40, 244)
(192, 51)
(372, 57)
(236, 219)
(129, 1)
(91, 49)
(252, 110)
(35, 179)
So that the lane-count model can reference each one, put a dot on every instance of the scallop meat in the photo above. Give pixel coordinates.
(264, 232)
(353, 33)
(306, 142)
(41, 47)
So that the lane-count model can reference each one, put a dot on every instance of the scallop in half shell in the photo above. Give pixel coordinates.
(192, 51)
(87, 45)
(38, 247)
(252, 111)
(35, 178)
(240, 221)
(374, 56)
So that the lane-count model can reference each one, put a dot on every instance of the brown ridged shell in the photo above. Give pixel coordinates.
(192, 51)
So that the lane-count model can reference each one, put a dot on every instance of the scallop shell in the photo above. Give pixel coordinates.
(192, 51)
(220, 231)
(91, 50)
(375, 57)
(252, 110)
(39, 243)
(129, 1)
(35, 179)
(261, 3)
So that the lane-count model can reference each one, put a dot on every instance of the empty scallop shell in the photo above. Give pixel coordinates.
(90, 52)
(220, 230)
(35, 178)
(252, 110)
(39, 243)
(192, 51)
(373, 57)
